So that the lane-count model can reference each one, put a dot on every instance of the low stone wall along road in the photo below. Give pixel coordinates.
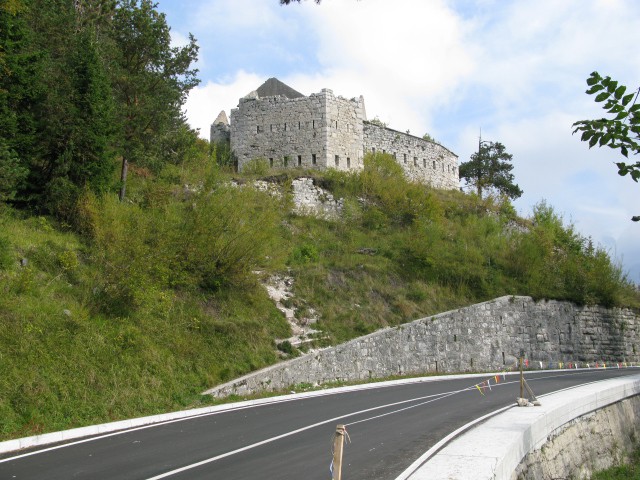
(290, 437)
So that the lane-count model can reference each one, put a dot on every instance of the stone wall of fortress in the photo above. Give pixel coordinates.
(420, 159)
(318, 131)
(324, 131)
(344, 132)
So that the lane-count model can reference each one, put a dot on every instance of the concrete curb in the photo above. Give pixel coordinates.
(150, 421)
(495, 449)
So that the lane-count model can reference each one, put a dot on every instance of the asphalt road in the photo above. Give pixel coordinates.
(389, 428)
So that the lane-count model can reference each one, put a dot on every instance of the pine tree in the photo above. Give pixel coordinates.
(490, 170)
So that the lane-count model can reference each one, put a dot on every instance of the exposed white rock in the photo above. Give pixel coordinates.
(308, 199)
(279, 288)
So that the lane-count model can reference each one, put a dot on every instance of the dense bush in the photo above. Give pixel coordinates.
(210, 243)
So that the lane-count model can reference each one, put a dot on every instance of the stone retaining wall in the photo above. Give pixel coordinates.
(590, 443)
(486, 336)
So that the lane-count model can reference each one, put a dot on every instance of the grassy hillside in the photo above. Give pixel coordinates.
(139, 306)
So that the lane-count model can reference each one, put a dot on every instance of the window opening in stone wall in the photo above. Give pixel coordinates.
(271, 162)
(348, 162)
(373, 149)
(423, 148)
(299, 125)
(299, 160)
(271, 127)
(285, 126)
(405, 158)
(394, 155)
(258, 129)
(424, 163)
(314, 159)
(336, 124)
(314, 124)
(443, 167)
(434, 164)
(337, 160)
(286, 161)
(384, 151)
(415, 161)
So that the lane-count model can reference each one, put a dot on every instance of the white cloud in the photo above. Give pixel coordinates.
(627, 247)
(206, 101)
(238, 16)
(178, 39)
(402, 56)
(515, 69)
(534, 55)
(533, 60)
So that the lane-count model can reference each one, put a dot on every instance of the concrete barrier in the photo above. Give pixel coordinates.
(497, 448)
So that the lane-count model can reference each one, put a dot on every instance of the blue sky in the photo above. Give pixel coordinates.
(514, 68)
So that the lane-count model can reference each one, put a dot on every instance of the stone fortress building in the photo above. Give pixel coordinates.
(288, 129)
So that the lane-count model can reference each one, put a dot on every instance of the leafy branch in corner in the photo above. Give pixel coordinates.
(620, 132)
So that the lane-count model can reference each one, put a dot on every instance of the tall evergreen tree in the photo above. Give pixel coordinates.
(19, 65)
(86, 157)
(151, 79)
(74, 115)
(82, 81)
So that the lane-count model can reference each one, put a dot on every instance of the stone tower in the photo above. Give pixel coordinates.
(220, 131)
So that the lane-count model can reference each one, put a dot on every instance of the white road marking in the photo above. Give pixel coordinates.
(293, 432)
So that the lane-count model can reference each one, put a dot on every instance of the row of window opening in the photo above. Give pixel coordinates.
(416, 162)
(273, 127)
(286, 161)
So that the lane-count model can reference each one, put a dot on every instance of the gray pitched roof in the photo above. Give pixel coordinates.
(273, 87)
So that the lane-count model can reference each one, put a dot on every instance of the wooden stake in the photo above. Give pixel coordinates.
(521, 379)
(338, 443)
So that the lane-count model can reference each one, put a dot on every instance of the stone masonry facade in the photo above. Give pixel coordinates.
(325, 131)
(483, 337)
(421, 160)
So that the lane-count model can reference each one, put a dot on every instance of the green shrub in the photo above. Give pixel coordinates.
(287, 348)
(305, 253)
(258, 167)
(386, 189)
(630, 471)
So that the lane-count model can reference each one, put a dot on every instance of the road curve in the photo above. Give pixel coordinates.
(389, 428)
